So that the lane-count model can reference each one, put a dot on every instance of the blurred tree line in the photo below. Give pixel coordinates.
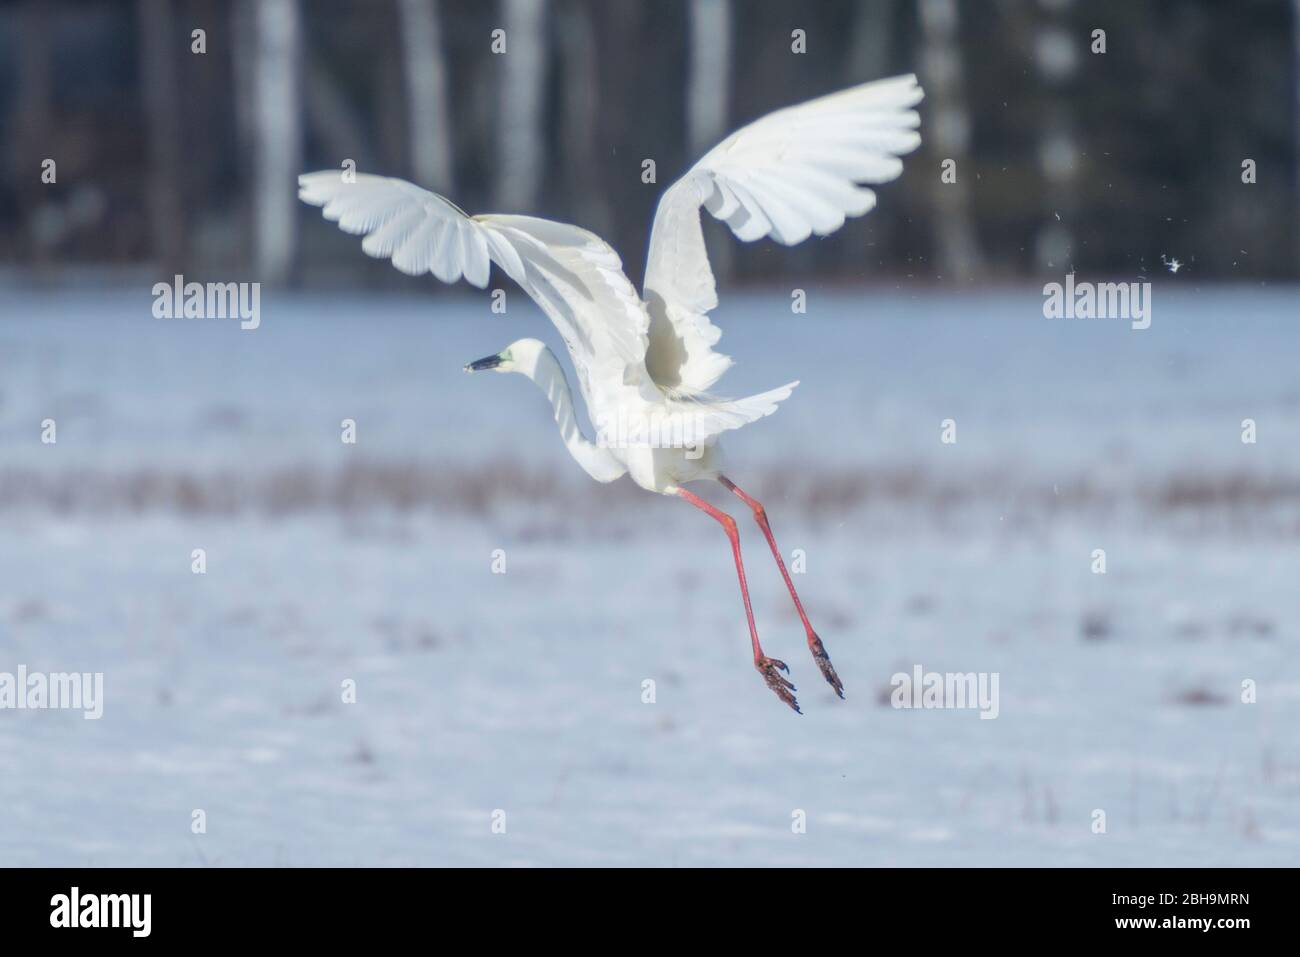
(172, 159)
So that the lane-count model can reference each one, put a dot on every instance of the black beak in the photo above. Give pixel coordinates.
(482, 365)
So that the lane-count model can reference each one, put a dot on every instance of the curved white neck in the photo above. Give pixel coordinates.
(597, 462)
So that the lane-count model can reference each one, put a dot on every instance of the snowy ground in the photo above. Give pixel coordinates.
(523, 691)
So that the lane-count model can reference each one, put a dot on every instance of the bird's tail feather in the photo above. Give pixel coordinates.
(719, 414)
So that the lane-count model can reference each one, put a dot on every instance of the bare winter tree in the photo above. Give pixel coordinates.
(426, 93)
(158, 54)
(1056, 55)
(959, 253)
(708, 92)
(519, 127)
(708, 78)
(276, 28)
(33, 110)
(1295, 32)
(576, 39)
(870, 40)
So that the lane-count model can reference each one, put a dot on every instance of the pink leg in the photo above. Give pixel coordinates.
(814, 643)
(767, 667)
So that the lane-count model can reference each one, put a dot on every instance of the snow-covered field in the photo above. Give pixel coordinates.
(522, 692)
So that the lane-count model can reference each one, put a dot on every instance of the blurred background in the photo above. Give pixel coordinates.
(1104, 161)
(499, 613)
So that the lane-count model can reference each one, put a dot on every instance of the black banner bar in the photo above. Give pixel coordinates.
(333, 906)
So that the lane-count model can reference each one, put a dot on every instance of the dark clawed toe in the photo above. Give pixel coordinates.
(824, 663)
(770, 669)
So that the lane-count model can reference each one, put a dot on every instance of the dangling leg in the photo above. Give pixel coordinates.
(767, 667)
(814, 643)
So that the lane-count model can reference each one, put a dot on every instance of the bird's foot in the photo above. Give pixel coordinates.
(770, 669)
(824, 663)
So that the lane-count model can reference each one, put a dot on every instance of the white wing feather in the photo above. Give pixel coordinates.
(792, 174)
(573, 275)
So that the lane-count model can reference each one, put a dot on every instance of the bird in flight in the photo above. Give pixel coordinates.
(645, 362)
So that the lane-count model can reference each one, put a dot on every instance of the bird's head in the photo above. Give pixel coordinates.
(519, 356)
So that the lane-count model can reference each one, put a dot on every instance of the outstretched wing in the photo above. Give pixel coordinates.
(792, 173)
(573, 275)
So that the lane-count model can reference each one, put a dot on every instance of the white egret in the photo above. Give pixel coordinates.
(644, 362)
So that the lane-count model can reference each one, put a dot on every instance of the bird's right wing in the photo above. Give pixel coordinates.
(573, 275)
(789, 175)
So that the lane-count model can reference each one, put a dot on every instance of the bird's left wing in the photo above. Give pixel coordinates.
(572, 274)
(791, 174)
